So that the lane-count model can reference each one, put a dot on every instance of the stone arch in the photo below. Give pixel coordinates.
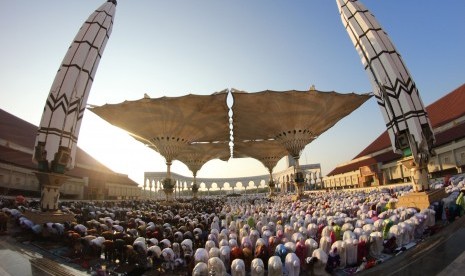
(238, 186)
(215, 186)
(202, 186)
(251, 184)
(282, 179)
(227, 186)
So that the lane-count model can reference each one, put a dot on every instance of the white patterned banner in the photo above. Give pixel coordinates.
(61, 120)
(394, 88)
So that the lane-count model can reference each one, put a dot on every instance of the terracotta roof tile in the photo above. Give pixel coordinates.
(15, 157)
(15, 129)
(381, 158)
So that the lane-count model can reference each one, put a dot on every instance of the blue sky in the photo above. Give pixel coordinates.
(172, 48)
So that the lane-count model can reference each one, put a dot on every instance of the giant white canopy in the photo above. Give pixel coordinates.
(267, 125)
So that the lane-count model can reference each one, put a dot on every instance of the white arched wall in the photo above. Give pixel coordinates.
(284, 181)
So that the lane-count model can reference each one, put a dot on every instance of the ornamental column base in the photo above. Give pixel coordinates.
(50, 192)
(50, 184)
(272, 191)
(299, 189)
(421, 200)
(418, 174)
(169, 195)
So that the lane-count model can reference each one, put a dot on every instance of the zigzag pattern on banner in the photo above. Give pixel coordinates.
(62, 102)
(394, 88)
(65, 105)
(399, 86)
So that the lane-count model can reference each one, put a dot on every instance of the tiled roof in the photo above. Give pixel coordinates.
(447, 108)
(441, 112)
(450, 135)
(17, 130)
(16, 157)
(23, 133)
(354, 166)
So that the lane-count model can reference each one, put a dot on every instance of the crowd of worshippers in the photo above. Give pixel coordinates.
(249, 235)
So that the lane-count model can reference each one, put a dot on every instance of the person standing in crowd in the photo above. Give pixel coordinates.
(3, 223)
(334, 260)
(461, 202)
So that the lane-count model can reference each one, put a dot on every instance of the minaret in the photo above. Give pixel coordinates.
(406, 119)
(56, 141)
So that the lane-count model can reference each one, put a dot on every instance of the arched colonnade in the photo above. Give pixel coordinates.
(284, 181)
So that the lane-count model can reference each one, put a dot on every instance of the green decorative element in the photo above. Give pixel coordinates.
(41, 157)
(195, 188)
(407, 152)
(58, 168)
(271, 184)
(43, 166)
(61, 160)
(168, 184)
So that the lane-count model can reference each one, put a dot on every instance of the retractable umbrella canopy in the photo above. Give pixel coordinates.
(169, 124)
(267, 125)
(293, 118)
(268, 152)
(196, 155)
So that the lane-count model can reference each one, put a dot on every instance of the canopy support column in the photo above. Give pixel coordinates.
(195, 188)
(168, 183)
(299, 180)
(271, 184)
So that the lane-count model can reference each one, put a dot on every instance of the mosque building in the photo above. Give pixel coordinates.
(88, 180)
(378, 165)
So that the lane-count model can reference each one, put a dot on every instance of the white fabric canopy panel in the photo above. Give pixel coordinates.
(268, 152)
(293, 118)
(169, 124)
(189, 128)
(196, 155)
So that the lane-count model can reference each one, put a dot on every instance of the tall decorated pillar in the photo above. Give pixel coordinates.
(398, 98)
(57, 136)
(168, 183)
(195, 187)
(294, 145)
(148, 191)
(272, 184)
(315, 177)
